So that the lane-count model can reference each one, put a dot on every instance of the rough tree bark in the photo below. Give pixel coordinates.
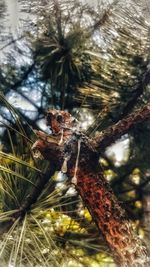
(81, 157)
(72, 151)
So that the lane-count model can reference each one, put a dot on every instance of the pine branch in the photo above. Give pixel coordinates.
(42, 180)
(23, 78)
(12, 42)
(137, 92)
(89, 181)
(57, 11)
(111, 134)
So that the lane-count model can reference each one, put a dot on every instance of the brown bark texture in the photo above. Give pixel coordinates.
(72, 152)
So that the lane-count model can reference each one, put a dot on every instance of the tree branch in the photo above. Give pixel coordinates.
(42, 180)
(90, 183)
(12, 42)
(23, 78)
(58, 21)
(137, 92)
(110, 135)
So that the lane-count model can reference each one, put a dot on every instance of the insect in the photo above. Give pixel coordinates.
(61, 124)
(60, 120)
(62, 127)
